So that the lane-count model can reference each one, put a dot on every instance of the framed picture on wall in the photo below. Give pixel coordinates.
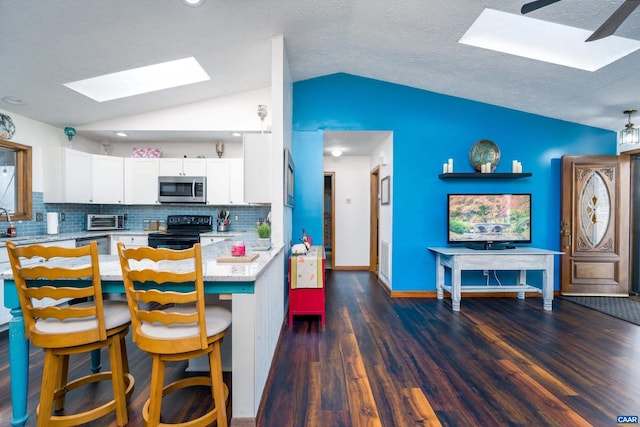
(385, 188)
(289, 171)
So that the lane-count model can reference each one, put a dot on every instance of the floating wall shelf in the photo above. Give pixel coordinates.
(478, 175)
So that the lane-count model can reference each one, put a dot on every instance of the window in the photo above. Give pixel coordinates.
(15, 179)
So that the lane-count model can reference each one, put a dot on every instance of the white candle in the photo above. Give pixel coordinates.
(489, 167)
(445, 168)
(450, 165)
(519, 167)
(483, 168)
(514, 166)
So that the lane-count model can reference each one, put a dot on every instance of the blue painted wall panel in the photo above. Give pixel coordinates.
(428, 129)
(306, 151)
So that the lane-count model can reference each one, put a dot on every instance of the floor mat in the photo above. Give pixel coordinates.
(623, 308)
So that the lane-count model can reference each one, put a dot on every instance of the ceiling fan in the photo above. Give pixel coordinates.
(608, 28)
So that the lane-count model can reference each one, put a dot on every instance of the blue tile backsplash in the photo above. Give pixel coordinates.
(75, 215)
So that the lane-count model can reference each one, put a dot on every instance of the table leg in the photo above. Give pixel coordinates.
(547, 284)
(439, 277)
(18, 368)
(456, 287)
(96, 364)
(522, 281)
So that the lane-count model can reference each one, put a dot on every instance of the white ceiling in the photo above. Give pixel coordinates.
(411, 42)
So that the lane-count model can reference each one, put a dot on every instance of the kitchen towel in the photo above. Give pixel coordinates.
(306, 270)
(52, 222)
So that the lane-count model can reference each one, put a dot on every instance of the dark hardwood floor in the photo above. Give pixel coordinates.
(411, 362)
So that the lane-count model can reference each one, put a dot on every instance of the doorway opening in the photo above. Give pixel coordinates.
(374, 220)
(328, 226)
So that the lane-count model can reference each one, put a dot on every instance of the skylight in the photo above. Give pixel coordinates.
(545, 41)
(141, 80)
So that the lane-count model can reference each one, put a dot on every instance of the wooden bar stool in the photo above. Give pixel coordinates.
(63, 329)
(165, 291)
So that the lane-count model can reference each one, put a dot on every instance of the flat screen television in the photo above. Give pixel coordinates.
(489, 221)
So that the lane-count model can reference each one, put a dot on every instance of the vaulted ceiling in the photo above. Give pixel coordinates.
(409, 42)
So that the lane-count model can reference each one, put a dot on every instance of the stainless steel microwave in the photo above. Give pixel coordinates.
(105, 222)
(182, 189)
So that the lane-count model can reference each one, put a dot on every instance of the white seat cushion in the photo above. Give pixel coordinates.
(218, 319)
(116, 313)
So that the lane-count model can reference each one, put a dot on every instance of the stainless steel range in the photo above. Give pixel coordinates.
(183, 231)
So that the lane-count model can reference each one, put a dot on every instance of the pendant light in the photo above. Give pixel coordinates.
(629, 135)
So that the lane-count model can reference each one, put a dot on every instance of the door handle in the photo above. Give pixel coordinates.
(565, 230)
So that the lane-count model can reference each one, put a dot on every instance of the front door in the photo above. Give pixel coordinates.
(595, 226)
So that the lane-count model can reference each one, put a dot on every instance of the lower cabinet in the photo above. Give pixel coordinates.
(129, 240)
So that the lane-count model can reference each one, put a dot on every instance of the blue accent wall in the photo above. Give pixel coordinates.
(429, 128)
(307, 152)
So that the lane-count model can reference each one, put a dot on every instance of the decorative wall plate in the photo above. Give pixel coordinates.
(7, 128)
(482, 152)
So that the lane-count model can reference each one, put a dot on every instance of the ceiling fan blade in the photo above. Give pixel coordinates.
(611, 25)
(535, 5)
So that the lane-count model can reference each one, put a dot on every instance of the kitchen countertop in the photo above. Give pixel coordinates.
(213, 271)
(47, 238)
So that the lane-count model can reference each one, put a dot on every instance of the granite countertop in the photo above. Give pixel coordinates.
(46, 238)
(213, 271)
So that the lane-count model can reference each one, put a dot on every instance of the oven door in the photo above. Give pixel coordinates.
(172, 242)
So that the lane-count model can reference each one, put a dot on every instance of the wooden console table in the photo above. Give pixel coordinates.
(522, 259)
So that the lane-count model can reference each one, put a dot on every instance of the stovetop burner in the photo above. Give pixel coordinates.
(187, 225)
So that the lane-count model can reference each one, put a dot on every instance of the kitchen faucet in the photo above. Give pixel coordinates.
(6, 212)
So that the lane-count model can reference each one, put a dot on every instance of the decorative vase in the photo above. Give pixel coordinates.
(264, 242)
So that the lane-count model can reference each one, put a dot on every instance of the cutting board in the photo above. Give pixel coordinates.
(245, 258)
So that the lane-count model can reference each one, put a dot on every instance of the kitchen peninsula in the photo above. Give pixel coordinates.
(256, 290)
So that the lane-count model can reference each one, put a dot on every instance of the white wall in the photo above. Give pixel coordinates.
(351, 215)
(236, 112)
(383, 156)
(45, 141)
(173, 149)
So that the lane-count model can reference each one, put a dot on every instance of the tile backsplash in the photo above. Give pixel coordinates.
(75, 215)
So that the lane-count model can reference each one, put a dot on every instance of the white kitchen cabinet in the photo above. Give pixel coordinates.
(141, 181)
(236, 181)
(129, 240)
(108, 180)
(225, 181)
(183, 167)
(77, 176)
(257, 168)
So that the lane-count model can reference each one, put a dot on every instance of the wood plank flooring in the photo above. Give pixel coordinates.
(413, 362)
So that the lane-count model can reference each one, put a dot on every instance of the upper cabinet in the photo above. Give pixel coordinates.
(77, 176)
(183, 167)
(141, 181)
(108, 180)
(257, 168)
(225, 181)
(89, 178)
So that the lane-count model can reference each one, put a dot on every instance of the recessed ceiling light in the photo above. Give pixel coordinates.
(545, 41)
(336, 153)
(14, 100)
(122, 134)
(141, 80)
(236, 134)
(193, 3)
